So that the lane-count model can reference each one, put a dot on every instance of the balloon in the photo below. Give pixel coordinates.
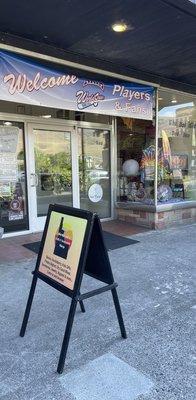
(130, 168)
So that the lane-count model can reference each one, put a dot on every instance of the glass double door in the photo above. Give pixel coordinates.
(68, 166)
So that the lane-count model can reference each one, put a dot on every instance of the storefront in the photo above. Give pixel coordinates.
(52, 162)
(122, 149)
(159, 189)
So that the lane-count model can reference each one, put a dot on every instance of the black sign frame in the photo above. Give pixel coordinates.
(76, 213)
(97, 267)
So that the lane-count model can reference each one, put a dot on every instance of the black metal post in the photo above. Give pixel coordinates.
(67, 335)
(119, 313)
(82, 305)
(28, 306)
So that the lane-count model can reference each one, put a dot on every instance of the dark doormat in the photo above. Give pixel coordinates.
(112, 242)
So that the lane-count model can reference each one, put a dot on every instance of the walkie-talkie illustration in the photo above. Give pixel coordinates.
(61, 247)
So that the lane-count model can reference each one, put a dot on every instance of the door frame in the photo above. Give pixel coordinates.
(73, 125)
(36, 223)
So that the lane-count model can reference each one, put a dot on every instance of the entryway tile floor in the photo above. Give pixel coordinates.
(12, 248)
(122, 228)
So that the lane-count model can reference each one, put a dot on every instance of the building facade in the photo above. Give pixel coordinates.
(123, 148)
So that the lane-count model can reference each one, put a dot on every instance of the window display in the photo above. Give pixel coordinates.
(13, 204)
(136, 160)
(176, 147)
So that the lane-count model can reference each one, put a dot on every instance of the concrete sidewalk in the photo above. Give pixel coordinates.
(156, 362)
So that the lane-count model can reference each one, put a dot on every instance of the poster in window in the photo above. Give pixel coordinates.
(179, 161)
(9, 137)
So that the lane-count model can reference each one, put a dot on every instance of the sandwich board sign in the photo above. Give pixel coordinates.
(72, 244)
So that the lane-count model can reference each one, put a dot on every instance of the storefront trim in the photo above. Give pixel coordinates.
(73, 64)
(158, 208)
(176, 206)
(168, 89)
(52, 121)
(114, 167)
(156, 147)
(17, 233)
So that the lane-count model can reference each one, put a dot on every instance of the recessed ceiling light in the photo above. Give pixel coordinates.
(119, 27)
(174, 101)
(7, 123)
(46, 116)
(160, 98)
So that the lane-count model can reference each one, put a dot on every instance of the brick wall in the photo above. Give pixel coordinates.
(157, 220)
(137, 217)
(175, 217)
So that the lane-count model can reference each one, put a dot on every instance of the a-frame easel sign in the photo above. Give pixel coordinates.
(72, 244)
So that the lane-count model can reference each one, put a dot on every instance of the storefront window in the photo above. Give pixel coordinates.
(136, 160)
(176, 147)
(13, 198)
(53, 170)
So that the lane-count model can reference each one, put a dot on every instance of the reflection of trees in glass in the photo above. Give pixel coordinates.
(131, 146)
(92, 160)
(20, 158)
(20, 155)
(58, 166)
(84, 177)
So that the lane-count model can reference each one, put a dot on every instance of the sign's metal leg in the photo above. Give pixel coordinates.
(119, 313)
(28, 306)
(82, 306)
(67, 335)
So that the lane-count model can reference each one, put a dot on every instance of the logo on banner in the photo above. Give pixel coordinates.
(94, 83)
(86, 99)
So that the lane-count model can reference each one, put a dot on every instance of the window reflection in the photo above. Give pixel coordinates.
(53, 170)
(136, 160)
(94, 170)
(176, 148)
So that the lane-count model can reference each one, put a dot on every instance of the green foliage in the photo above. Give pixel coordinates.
(58, 169)
(57, 166)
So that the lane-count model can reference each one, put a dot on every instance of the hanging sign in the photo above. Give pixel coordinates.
(25, 81)
(72, 244)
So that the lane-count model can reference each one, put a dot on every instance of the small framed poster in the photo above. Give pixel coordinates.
(62, 247)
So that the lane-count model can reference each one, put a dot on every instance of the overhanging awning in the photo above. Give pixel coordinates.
(159, 46)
